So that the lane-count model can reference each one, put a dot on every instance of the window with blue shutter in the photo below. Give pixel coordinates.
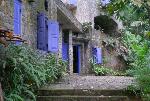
(53, 36)
(97, 55)
(42, 32)
(17, 18)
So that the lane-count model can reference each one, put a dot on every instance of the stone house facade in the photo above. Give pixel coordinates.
(56, 26)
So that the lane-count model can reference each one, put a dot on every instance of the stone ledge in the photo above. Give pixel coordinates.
(75, 25)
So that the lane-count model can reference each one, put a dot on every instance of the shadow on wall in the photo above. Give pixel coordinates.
(106, 24)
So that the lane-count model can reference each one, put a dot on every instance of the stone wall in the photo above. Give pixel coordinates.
(111, 57)
(6, 14)
(28, 18)
(86, 11)
(96, 38)
(29, 23)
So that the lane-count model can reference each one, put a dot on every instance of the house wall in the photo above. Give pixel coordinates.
(85, 12)
(29, 21)
(28, 18)
(6, 14)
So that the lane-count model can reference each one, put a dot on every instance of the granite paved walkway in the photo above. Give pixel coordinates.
(93, 82)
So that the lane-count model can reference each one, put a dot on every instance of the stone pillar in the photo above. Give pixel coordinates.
(70, 53)
(1, 94)
(82, 59)
(60, 43)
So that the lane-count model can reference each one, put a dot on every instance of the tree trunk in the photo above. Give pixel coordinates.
(1, 94)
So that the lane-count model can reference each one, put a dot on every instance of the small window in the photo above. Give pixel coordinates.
(46, 5)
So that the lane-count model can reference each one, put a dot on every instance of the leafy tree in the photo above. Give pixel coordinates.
(135, 15)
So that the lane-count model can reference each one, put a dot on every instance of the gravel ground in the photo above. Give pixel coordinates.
(93, 82)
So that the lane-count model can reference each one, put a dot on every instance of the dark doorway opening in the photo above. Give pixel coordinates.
(76, 59)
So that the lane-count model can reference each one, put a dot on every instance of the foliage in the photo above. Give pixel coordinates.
(135, 15)
(23, 70)
(86, 26)
(139, 62)
(109, 41)
(101, 70)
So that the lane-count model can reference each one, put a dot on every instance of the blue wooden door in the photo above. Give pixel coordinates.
(53, 36)
(17, 18)
(42, 32)
(76, 58)
(79, 58)
(65, 51)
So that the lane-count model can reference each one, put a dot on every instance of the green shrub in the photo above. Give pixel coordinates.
(100, 70)
(24, 70)
(139, 53)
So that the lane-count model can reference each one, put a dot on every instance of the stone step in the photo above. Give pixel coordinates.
(83, 98)
(88, 88)
(81, 92)
(93, 82)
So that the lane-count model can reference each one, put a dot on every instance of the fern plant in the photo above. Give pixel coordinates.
(23, 70)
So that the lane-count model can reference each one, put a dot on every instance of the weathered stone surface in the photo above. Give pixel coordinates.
(1, 94)
(73, 23)
(87, 10)
(94, 82)
(83, 98)
(57, 10)
(89, 88)
(70, 53)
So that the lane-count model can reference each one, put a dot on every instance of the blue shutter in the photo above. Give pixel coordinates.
(53, 36)
(42, 32)
(79, 58)
(65, 51)
(73, 2)
(97, 55)
(17, 17)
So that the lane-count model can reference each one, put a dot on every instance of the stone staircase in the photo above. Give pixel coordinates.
(88, 88)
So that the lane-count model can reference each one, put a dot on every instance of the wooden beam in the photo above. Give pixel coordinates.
(1, 94)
